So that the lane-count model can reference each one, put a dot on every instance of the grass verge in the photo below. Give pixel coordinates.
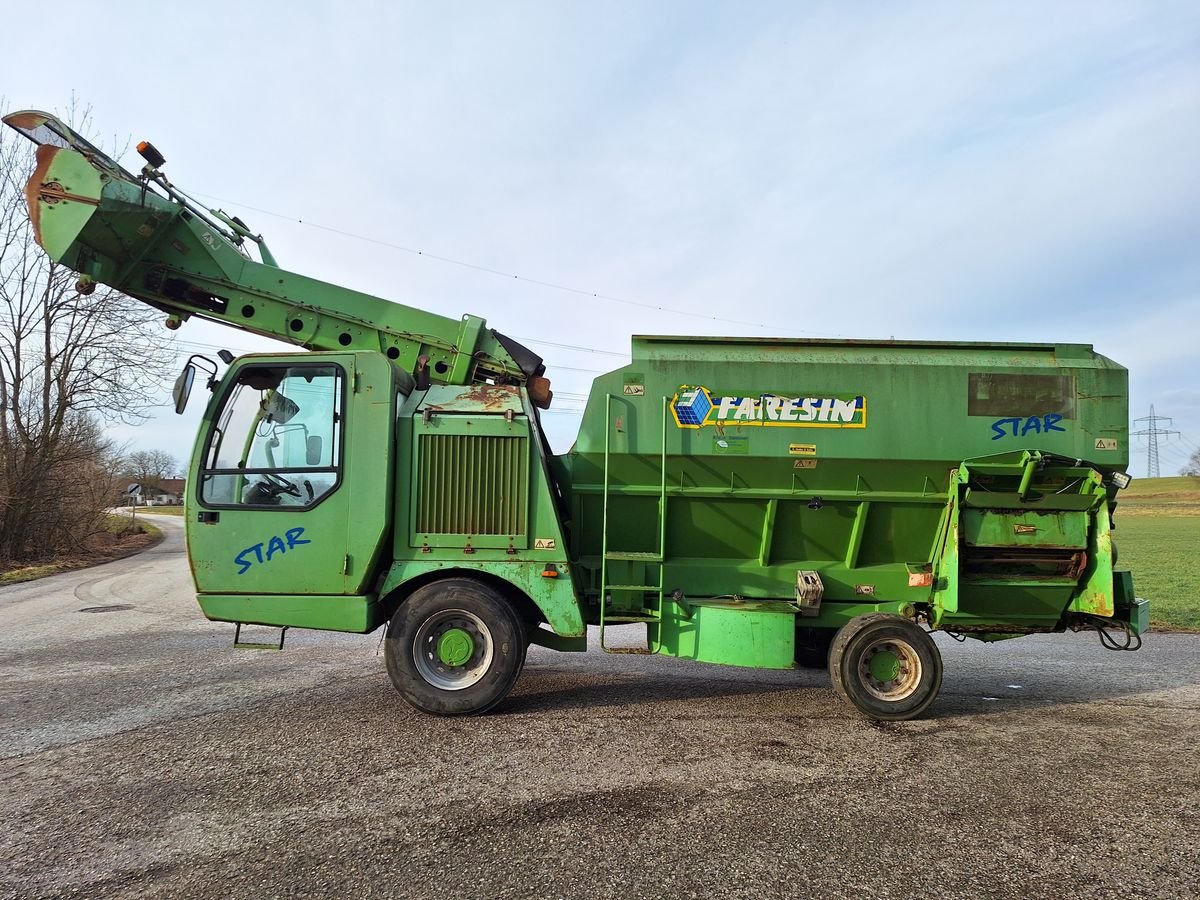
(1162, 552)
(119, 542)
(31, 573)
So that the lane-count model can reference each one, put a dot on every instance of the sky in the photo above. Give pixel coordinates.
(934, 171)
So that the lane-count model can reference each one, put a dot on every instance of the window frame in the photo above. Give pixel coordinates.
(205, 472)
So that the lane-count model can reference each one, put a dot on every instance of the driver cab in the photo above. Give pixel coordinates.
(290, 490)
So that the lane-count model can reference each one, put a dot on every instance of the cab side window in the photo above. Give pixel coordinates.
(277, 440)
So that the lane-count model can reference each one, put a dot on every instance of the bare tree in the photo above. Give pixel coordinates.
(150, 468)
(1193, 465)
(68, 362)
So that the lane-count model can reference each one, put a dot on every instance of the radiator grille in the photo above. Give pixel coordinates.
(472, 484)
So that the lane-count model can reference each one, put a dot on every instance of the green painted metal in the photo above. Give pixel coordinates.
(964, 485)
(884, 665)
(834, 615)
(144, 237)
(470, 474)
(325, 612)
(455, 647)
(628, 595)
(543, 637)
(243, 550)
(759, 635)
(1022, 528)
(1097, 594)
(839, 472)
(417, 557)
(1137, 616)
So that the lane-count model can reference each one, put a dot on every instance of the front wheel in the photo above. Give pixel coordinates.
(454, 648)
(888, 667)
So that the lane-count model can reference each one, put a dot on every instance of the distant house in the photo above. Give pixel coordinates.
(167, 492)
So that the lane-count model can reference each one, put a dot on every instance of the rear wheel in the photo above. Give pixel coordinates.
(454, 648)
(888, 667)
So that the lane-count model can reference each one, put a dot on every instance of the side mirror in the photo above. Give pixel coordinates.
(183, 384)
(183, 387)
(312, 450)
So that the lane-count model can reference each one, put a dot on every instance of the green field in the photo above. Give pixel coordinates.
(1158, 539)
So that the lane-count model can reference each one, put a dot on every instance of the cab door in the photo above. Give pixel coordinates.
(291, 490)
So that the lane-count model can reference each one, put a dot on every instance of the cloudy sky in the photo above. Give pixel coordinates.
(987, 171)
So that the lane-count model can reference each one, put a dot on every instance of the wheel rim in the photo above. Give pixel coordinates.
(452, 649)
(890, 670)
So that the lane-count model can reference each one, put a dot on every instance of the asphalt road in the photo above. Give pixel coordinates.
(140, 755)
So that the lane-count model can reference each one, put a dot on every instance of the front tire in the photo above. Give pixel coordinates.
(886, 666)
(454, 648)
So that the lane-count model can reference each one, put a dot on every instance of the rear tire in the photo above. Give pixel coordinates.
(455, 648)
(886, 666)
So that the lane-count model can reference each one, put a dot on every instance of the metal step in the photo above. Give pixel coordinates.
(655, 588)
(626, 620)
(255, 645)
(641, 651)
(633, 556)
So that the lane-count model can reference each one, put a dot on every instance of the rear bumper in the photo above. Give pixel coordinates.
(1132, 610)
(1136, 614)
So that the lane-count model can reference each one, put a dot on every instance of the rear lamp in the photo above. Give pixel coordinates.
(1120, 480)
(150, 154)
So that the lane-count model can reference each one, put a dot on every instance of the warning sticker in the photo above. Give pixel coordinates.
(635, 390)
(804, 464)
(802, 449)
(543, 543)
(1106, 443)
(635, 384)
(864, 589)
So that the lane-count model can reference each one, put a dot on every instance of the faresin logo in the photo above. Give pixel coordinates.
(695, 407)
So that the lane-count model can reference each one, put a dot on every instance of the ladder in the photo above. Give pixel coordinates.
(654, 558)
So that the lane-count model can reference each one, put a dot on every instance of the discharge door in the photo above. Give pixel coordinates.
(291, 491)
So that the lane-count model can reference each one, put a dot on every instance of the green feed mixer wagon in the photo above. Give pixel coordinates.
(748, 502)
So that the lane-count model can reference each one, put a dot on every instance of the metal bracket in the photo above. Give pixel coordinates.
(251, 645)
(810, 590)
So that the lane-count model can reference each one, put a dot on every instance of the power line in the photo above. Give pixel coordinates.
(1174, 453)
(575, 369)
(449, 260)
(530, 340)
(1152, 433)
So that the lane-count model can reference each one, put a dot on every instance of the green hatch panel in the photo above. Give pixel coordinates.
(1030, 528)
(759, 635)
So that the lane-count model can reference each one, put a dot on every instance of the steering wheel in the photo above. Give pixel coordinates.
(277, 485)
